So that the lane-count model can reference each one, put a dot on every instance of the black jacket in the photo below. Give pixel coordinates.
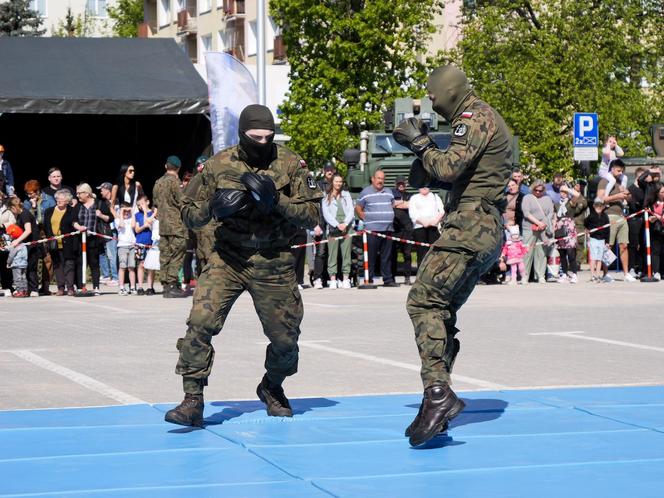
(595, 220)
(70, 245)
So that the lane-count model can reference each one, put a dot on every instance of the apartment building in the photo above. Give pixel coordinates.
(199, 26)
(53, 13)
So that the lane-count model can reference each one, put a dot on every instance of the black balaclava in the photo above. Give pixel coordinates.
(256, 154)
(449, 87)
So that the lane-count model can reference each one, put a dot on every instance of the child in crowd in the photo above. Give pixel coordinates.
(610, 153)
(144, 220)
(125, 225)
(513, 253)
(598, 241)
(18, 262)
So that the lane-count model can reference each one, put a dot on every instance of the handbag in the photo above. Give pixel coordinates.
(608, 257)
(152, 259)
(560, 233)
(657, 228)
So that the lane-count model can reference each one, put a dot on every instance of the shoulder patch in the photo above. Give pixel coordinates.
(311, 183)
(460, 130)
(467, 114)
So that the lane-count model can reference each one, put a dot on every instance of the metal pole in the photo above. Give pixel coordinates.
(84, 259)
(649, 277)
(260, 54)
(365, 247)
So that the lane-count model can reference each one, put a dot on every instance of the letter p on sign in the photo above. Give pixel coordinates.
(585, 125)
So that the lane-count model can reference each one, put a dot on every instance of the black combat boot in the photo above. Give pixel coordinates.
(440, 405)
(189, 412)
(274, 398)
(167, 290)
(176, 291)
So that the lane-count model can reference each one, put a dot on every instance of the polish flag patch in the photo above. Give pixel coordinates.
(467, 114)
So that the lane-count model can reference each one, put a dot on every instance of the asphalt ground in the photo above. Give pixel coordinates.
(110, 350)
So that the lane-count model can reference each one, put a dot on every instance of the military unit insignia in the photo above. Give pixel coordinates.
(311, 183)
(460, 130)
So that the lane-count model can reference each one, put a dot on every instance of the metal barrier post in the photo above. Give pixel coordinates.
(365, 245)
(649, 278)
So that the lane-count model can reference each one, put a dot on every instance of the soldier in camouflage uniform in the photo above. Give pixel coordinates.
(476, 168)
(173, 242)
(259, 195)
(205, 235)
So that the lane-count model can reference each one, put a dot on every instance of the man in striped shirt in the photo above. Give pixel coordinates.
(375, 208)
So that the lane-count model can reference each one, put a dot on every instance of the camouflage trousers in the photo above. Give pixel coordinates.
(445, 279)
(269, 277)
(172, 249)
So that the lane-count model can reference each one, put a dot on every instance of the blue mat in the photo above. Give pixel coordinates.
(549, 443)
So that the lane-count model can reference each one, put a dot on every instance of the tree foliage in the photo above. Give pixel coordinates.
(72, 26)
(18, 19)
(349, 60)
(126, 17)
(539, 62)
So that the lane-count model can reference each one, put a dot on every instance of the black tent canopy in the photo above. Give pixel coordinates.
(88, 105)
(98, 76)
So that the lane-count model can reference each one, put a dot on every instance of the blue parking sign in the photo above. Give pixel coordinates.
(586, 129)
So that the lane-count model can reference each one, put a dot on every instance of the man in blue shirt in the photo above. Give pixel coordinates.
(553, 189)
(375, 207)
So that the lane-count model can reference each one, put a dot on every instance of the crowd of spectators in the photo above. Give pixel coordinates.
(551, 228)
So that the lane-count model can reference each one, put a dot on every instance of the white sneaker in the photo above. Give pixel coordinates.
(111, 283)
(607, 279)
(104, 279)
(563, 279)
(656, 277)
(633, 273)
(318, 284)
(123, 292)
(333, 284)
(34, 294)
(629, 278)
(299, 287)
(511, 282)
(346, 284)
(573, 278)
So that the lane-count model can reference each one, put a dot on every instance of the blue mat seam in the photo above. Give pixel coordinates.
(643, 427)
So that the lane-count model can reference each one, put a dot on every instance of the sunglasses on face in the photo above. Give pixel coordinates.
(539, 190)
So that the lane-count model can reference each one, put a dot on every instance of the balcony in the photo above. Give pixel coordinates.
(147, 30)
(186, 23)
(279, 50)
(234, 8)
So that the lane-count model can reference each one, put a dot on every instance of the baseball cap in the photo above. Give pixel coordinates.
(329, 167)
(14, 231)
(400, 179)
(106, 185)
(201, 160)
(598, 201)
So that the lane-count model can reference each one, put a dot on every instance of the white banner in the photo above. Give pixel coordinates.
(232, 88)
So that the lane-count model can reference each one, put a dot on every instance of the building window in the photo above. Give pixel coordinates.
(164, 14)
(271, 30)
(96, 8)
(223, 41)
(39, 6)
(252, 39)
(204, 6)
(206, 46)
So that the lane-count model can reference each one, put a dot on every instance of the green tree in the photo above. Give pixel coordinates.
(539, 62)
(126, 17)
(80, 26)
(18, 19)
(349, 60)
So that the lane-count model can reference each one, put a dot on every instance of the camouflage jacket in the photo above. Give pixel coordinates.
(478, 161)
(168, 200)
(298, 206)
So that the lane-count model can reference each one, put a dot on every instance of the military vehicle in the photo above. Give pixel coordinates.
(378, 150)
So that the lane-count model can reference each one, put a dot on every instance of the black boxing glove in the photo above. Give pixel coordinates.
(262, 191)
(412, 133)
(228, 202)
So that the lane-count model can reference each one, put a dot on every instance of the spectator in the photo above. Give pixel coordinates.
(145, 217)
(565, 232)
(320, 257)
(17, 260)
(299, 256)
(126, 189)
(655, 203)
(375, 208)
(88, 216)
(598, 241)
(6, 174)
(553, 188)
(426, 211)
(403, 229)
(37, 203)
(337, 208)
(108, 256)
(27, 222)
(579, 218)
(59, 220)
(610, 153)
(538, 213)
(614, 200)
(55, 184)
(635, 247)
(649, 180)
(126, 224)
(6, 218)
(517, 176)
(513, 215)
(513, 253)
